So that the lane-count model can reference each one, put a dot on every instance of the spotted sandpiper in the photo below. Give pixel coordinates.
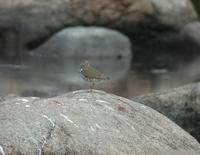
(90, 74)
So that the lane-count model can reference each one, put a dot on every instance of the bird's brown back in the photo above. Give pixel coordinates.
(90, 73)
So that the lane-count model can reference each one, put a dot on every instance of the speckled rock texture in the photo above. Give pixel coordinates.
(182, 105)
(87, 123)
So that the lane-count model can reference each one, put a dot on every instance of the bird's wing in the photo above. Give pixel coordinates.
(97, 75)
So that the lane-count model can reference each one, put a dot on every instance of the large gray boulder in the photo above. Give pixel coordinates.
(87, 123)
(181, 105)
(86, 42)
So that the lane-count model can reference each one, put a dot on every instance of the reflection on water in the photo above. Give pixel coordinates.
(49, 78)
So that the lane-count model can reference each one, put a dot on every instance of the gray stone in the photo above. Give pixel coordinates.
(181, 105)
(85, 123)
(86, 42)
(26, 24)
(179, 153)
(173, 12)
(191, 32)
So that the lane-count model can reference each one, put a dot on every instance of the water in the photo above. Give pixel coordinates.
(48, 78)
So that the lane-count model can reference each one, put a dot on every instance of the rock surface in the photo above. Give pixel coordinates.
(179, 153)
(86, 42)
(191, 32)
(84, 123)
(174, 12)
(25, 24)
(181, 105)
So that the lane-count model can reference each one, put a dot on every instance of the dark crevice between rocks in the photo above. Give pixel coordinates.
(21, 31)
(36, 43)
(10, 44)
(157, 45)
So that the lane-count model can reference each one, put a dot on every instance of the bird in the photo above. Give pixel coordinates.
(91, 74)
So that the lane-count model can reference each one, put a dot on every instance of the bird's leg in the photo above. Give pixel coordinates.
(92, 86)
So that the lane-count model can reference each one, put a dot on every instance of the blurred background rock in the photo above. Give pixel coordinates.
(142, 45)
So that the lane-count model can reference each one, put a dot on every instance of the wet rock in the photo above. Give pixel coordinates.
(86, 42)
(85, 123)
(182, 105)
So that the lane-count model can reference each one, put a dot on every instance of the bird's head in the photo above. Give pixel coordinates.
(84, 64)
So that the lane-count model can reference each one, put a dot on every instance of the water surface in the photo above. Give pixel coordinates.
(47, 78)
